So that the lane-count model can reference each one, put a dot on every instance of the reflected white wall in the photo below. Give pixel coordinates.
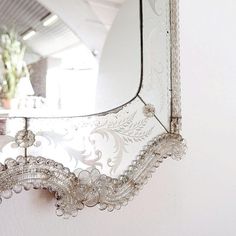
(71, 84)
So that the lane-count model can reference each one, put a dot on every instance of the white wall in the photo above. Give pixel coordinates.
(195, 197)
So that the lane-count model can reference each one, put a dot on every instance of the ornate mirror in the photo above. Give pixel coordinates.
(90, 98)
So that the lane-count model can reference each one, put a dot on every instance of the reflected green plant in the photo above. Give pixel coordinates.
(14, 66)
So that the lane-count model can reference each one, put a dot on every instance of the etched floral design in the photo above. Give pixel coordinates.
(85, 154)
(124, 132)
(115, 135)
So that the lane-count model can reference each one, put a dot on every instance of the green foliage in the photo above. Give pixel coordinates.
(12, 56)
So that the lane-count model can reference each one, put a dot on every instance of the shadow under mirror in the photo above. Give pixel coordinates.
(68, 58)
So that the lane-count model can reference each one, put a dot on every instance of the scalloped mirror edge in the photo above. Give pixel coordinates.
(89, 188)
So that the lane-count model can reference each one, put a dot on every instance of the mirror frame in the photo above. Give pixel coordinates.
(74, 190)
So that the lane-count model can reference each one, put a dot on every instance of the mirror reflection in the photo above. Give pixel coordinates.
(68, 57)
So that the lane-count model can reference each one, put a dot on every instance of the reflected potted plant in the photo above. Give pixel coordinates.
(12, 53)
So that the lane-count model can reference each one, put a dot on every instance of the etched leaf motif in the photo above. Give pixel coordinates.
(85, 158)
(88, 155)
(117, 133)
(123, 132)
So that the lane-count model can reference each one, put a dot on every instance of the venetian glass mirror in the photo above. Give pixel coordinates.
(90, 98)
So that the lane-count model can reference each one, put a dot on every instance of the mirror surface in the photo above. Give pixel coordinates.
(69, 57)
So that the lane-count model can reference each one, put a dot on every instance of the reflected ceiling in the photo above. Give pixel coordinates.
(23, 15)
